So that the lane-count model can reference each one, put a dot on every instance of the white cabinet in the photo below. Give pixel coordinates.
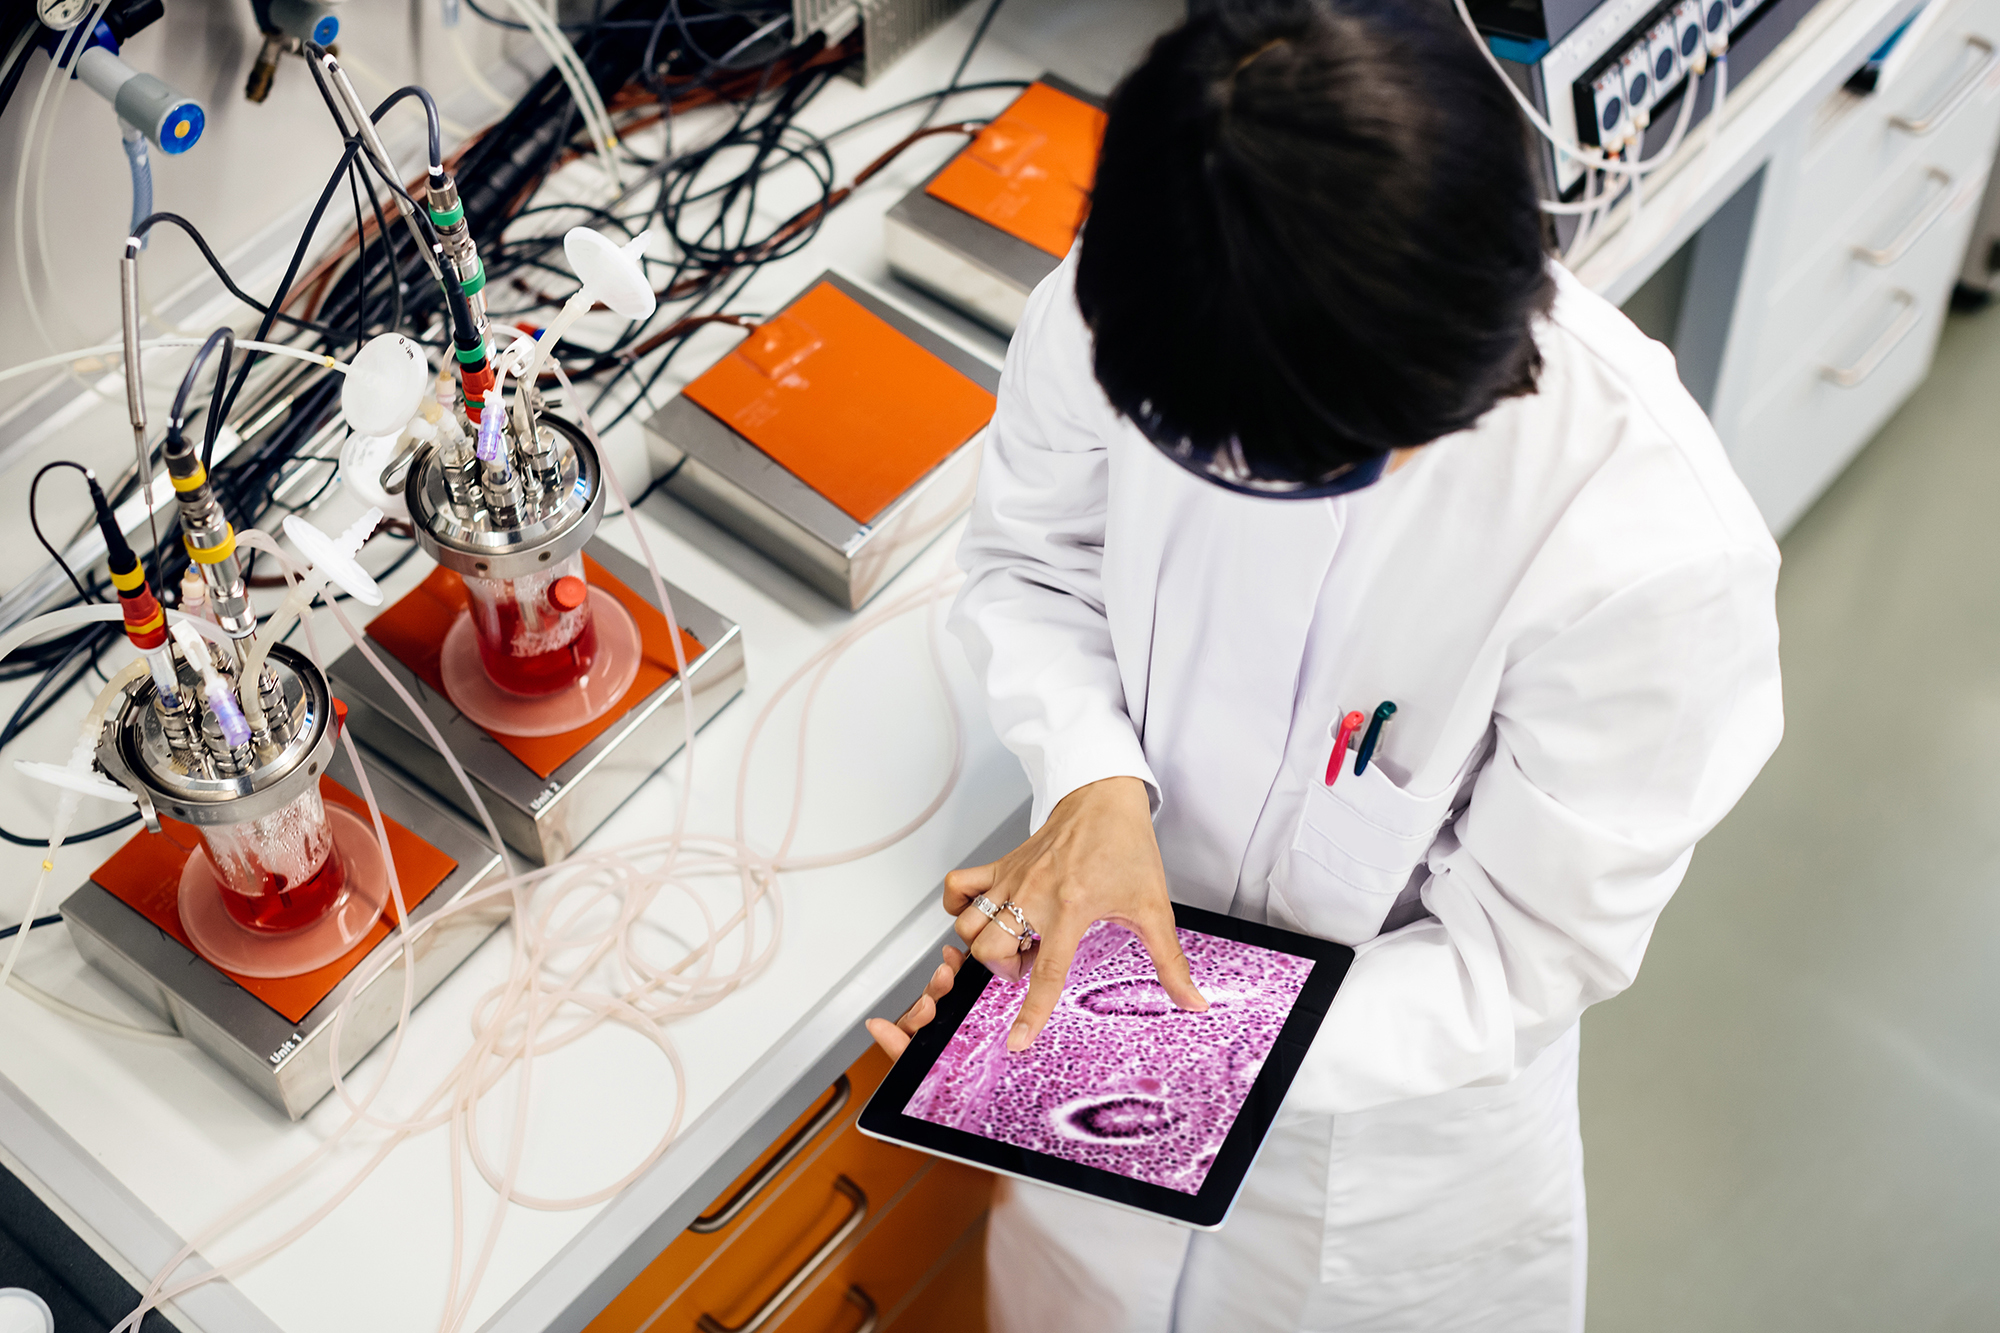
(1866, 218)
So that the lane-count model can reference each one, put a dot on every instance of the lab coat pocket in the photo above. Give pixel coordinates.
(1356, 845)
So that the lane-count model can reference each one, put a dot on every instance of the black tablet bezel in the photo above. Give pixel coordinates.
(883, 1117)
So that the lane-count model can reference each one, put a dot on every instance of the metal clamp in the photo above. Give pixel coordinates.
(708, 1323)
(757, 1184)
(1847, 377)
(1956, 96)
(870, 1319)
(1914, 232)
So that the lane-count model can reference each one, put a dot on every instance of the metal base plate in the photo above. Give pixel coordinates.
(717, 472)
(965, 261)
(287, 1063)
(545, 818)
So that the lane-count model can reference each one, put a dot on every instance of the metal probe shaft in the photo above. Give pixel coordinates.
(135, 386)
(379, 155)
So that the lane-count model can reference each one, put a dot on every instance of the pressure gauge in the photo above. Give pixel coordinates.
(62, 15)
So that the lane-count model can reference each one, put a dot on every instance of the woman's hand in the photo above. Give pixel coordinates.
(1094, 860)
(895, 1037)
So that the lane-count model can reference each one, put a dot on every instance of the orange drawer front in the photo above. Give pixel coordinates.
(953, 1294)
(893, 1257)
(825, 1209)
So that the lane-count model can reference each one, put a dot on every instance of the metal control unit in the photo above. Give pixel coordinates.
(285, 1059)
(1594, 78)
(840, 437)
(991, 223)
(545, 815)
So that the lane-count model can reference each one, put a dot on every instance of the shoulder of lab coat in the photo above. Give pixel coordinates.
(1032, 612)
(1638, 697)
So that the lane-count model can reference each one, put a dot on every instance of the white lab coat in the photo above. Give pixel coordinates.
(1572, 607)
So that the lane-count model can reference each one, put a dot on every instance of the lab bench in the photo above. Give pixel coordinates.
(1809, 250)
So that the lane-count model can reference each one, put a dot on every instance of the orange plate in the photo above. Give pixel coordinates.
(145, 875)
(843, 401)
(413, 631)
(1029, 172)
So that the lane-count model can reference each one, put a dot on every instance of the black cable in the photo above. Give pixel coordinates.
(978, 34)
(229, 283)
(360, 262)
(225, 338)
(39, 923)
(434, 125)
(35, 523)
(8, 835)
(45, 695)
(983, 85)
(285, 284)
(396, 311)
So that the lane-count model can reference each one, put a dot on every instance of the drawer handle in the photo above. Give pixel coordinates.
(870, 1320)
(1956, 96)
(1921, 223)
(1848, 377)
(758, 1183)
(708, 1323)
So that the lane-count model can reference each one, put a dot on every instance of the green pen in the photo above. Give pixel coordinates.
(1383, 712)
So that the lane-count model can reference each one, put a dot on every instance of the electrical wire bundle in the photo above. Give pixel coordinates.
(648, 63)
(283, 415)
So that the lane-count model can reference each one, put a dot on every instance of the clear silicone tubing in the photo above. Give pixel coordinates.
(55, 622)
(115, 350)
(52, 80)
(154, 1294)
(513, 1023)
(1588, 157)
(480, 1085)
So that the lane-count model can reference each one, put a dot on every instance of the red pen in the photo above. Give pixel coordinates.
(1350, 724)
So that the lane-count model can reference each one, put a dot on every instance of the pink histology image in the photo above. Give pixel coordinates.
(1120, 1079)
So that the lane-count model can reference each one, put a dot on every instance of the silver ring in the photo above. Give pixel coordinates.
(1029, 935)
(1025, 938)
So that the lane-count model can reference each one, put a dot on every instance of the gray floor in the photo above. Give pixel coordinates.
(1792, 1121)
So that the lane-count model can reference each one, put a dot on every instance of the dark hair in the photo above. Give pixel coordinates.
(1314, 229)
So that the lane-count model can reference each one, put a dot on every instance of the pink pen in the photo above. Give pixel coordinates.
(1348, 726)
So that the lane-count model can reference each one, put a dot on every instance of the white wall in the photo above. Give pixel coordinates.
(257, 166)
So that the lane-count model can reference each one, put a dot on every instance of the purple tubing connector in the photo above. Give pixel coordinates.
(491, 418)
(228, 713)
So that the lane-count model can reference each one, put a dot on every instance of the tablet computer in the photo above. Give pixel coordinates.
(1123, 1097)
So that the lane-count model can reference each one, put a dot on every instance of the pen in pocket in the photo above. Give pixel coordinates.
(1343, 738)
(1383, 712)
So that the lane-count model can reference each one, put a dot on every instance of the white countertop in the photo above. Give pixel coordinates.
(164, 1131)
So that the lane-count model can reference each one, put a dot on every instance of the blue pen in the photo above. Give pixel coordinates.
(1383, 712)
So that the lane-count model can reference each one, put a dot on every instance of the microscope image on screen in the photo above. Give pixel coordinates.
(1120, 1079)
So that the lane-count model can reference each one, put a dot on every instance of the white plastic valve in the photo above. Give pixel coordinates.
(22, 1311)
(611, 273)
(82, 781)
(333, 557)
(385, 385)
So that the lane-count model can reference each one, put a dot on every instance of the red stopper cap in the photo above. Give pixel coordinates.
(339, 717)
(568, 593)
(145, 624)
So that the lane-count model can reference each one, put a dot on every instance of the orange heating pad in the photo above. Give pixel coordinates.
(145, 875)
(1029, 172)
(843, 401)
(413, 631)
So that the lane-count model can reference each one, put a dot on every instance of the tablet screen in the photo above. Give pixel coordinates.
(1120, 1079)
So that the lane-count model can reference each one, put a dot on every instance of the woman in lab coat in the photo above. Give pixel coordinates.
(1309, 422)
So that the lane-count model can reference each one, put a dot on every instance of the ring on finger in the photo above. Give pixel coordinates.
(1027, 937)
